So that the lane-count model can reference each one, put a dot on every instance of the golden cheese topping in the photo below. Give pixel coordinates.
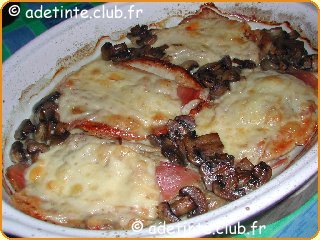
(122, 97)
(263, 117)
(207, 40)
(96, 180)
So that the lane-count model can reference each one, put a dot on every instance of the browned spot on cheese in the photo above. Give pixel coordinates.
(77, 110)
(193, 26)
(95, 71)
(69, 83)
(76, 189)
(159, 116)
(52, 185)
(164, 82)
(239, 40)
(124, 122)
(36, 173)
(273, 116)
(115, 76)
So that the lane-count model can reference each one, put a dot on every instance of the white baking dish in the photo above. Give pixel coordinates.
(28, 74)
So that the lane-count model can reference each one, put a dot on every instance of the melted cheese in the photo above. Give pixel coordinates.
(88, 178)
(262, 117)
(126, 98)
(207, 40)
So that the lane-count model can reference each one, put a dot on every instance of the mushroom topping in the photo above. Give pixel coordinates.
(283, 52)
(180, 126)
(165, 213)
(106, 51)
(310, 62)
(60, 128)
(245, 165)
(147, 40)
(56, 139)
(50, 98)
(120, 52)
(41, 134)
(267, 64)
(197, 196)
(35, 147)
(172, 152)
(48, 112)
(226, 189)
(191, 201)
(218, 75)
(17, 152)
(260, 174)
(198, 148)
(244, 63)
(181, 143)
(182, 206)
(231, 182)
(189, 65)
(155, 140)
(141, 35)
(26, 127)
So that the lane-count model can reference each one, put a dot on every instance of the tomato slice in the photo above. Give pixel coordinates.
(15, 175)
(102, 129)
(187, 94)
(307, 77)
(172, 177)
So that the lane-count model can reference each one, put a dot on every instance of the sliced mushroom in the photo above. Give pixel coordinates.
(310, 62)
(156, 52)
(106, 51)
(35, 147)
(26, 127)
(172, 153)
(50, 98)
(155, 140)
(47, 112)
(165, 213)
(231, 75)
(58, 139)
(225, 184)
(147, 40)
(180, 126)
(261, 174)
(218, 90)
(244, 63)
(222, 191)
(17, 152)
(186, 121)
(283, 51)
(245, 164)
(60, 128)
(191, 201)
(198, 148)
(197, 197)
(267, 64)
(42, 132)
(189, 65)
(182, 206)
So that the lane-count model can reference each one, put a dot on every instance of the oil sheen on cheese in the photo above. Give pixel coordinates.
(207, 40)
(262, 117)
(122, 97)
(95, 180)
